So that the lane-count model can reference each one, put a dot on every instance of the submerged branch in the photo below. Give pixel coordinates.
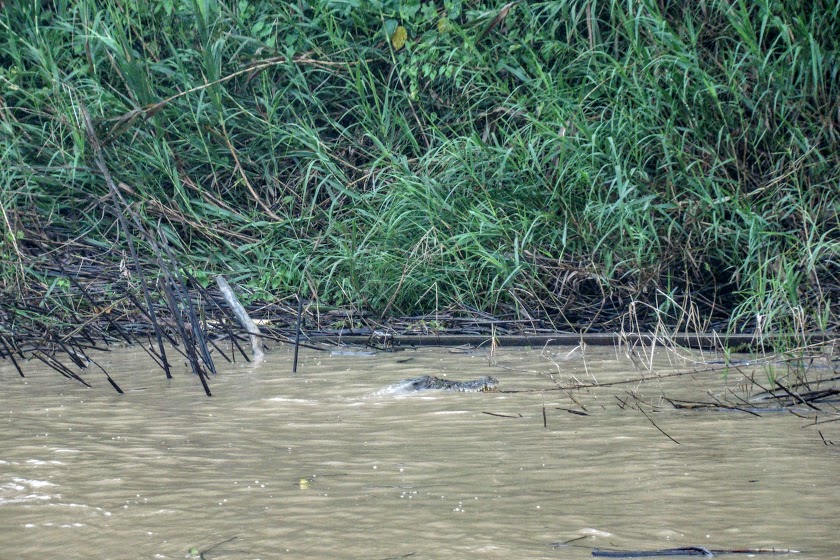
(242, 315)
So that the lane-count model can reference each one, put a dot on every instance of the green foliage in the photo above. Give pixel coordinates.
(654, 147)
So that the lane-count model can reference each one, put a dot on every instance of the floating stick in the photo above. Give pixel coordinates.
(685, 551)
(502, 415)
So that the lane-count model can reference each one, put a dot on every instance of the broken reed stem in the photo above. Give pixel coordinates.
(118, 199)
(9, 352)
(194, 341)
(297, 333)
(639, 408)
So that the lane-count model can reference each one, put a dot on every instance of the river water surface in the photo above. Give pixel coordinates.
(318, 465)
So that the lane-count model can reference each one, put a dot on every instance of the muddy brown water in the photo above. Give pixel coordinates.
(319, 466)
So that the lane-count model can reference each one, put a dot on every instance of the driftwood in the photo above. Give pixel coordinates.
(686, 551)
(243, 318)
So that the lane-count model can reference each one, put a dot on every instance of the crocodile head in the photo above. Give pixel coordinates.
(481, 385)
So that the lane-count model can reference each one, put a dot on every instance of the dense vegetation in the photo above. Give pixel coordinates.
(588, 164)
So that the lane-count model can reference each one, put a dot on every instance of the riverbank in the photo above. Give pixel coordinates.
(514, 168)
(205, 330)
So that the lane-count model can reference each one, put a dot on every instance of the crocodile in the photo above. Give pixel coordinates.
(431, 383)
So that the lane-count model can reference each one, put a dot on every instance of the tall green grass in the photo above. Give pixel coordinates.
(686, 156)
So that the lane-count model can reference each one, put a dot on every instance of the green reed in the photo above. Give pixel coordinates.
(504, 160)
